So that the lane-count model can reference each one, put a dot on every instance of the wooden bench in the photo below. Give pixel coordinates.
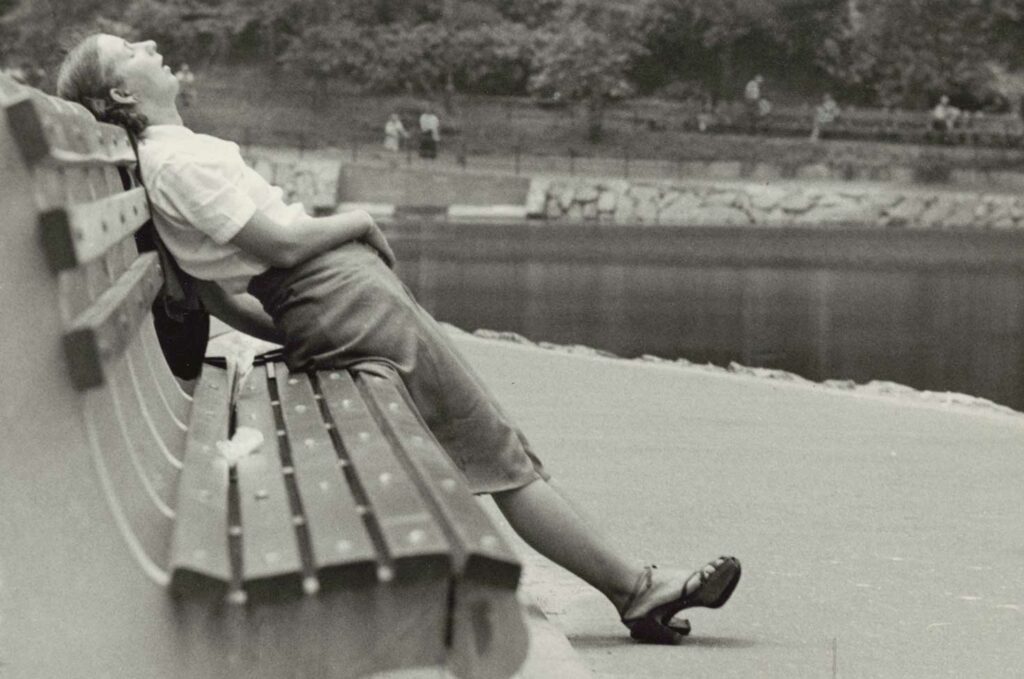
(347, 544)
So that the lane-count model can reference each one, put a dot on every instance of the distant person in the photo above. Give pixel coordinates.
(706, 114)
(187, 85)
(756, 105)
(430, 134)
(394, 133)
(825, 114)
(944, 117)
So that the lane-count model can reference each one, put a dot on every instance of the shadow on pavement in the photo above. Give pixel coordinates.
(598, 641)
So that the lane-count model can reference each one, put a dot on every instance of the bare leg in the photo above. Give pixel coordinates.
(549, 524)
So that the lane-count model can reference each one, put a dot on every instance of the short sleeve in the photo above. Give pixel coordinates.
(203, 196)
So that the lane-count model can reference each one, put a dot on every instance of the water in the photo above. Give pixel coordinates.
(943, 312)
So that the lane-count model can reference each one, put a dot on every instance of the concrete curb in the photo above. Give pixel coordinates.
(550, 654)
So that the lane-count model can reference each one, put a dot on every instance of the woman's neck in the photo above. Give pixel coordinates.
(160, 114)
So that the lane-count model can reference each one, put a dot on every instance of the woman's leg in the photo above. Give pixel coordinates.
(645, 597)
(347, 306)
(547, 522)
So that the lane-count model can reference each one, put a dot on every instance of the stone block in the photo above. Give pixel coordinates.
(684, 210)
(537, 197)
(625, 210)
(607, 201)
(646, 211)
(905, 213)
(842, 211)
(726, 198)
(797, 202)
(765, 198)
(587, 193)
(554, 208)
(566, 196)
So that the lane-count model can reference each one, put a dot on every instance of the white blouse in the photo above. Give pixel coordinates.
(202, 194)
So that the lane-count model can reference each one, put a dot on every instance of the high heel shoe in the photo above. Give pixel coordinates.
(709, 587)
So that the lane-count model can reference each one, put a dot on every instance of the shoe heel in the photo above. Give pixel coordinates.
(648, 630)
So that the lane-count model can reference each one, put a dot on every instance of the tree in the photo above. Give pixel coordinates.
(584, 55)
(41, 30)
(417, 59)
(908, 53)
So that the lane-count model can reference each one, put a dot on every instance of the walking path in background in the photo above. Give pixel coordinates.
(560, 166)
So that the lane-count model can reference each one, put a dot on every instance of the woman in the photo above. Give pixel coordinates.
(394, 133)
(327, 285)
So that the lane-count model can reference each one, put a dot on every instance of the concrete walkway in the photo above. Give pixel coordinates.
(880, 536)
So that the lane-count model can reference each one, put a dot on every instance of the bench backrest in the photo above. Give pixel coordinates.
(93, 422)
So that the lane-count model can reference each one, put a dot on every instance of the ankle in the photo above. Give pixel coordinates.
(630, 589)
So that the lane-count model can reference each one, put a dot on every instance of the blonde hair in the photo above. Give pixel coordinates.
(84, 78)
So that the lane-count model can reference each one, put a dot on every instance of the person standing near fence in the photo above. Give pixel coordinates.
(430, 134)
(944, 117)
(187, 82)
(394, 133)
(825, 114)
(752, 99)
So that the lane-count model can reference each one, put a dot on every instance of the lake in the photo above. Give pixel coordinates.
(936, 310)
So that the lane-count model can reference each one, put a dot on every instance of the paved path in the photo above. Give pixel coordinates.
(606, 168)
(880, 537)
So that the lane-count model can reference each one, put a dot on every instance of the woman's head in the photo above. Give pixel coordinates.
(116, 80)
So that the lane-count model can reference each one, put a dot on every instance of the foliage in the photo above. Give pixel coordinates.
(585, 55)
(892, 52)
(416, 59)
(910, 52)
(37, 31)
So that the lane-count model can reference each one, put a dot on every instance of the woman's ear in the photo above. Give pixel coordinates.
(122, 96)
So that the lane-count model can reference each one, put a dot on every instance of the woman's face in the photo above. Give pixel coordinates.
(139, 68)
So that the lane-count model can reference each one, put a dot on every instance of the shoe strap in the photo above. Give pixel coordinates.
(643, 583)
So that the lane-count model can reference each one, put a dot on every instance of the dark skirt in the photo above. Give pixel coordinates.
(347, 306)
(428, 146)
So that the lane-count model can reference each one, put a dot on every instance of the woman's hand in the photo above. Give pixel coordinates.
(286, 245)
(375, 238)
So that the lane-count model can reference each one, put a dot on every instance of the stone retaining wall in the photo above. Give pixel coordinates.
(703, 204)
(313, 180)
(310, 179)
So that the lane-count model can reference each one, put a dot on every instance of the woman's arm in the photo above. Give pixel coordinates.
(241, 312)
(285, 245)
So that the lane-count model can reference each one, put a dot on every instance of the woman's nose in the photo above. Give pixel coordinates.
(150, 46)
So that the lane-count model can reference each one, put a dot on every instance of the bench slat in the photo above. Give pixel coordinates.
(410, 532)
(48, 129)
(483, 554)
(104, 329)
(270, 550)
(78, 234)
(341, 547)
(199, 558)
